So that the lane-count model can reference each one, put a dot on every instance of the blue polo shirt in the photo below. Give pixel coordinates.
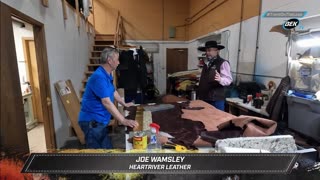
(99, 85)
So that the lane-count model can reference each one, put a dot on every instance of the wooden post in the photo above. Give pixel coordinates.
(45, 3)
(78, 13)
(87, 25)
(65, 16)
(94, 23)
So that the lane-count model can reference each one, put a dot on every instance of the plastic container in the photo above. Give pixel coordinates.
(193, 95)
(304, 116)
(154, 133)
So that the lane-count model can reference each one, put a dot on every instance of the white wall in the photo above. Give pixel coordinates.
(67, 49)
(230, 39)
(247, 47)
(19, 33)
(271, 59)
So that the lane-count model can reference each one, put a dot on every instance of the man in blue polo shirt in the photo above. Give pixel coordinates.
(97, 103)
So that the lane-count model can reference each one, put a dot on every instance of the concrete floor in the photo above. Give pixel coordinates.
(36, 139)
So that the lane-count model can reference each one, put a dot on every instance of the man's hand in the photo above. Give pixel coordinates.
(129, 104)
(130, 123)
(217, 77)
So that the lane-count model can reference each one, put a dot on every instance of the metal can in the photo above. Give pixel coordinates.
(140, 140)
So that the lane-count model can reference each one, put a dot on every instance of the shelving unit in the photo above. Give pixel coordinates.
(28, 111)
(201, 57)
(304, 73)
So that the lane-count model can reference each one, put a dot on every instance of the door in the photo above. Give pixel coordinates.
(177, 60)
(31, 60)
(13, 133)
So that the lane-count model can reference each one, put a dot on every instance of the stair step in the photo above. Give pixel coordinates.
(94, 65)
(104, 42)
(81, 93)
(89, 72)
(96, 53)
(94, 60)
(104, 37)
(101, 47)
(84, 83)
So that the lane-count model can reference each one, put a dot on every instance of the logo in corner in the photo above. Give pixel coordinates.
(290, 24)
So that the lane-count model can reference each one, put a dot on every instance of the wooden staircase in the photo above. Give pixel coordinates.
(101, 41)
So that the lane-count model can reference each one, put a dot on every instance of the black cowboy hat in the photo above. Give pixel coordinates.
(210, 44)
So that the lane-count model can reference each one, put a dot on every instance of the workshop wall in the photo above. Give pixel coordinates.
(143, 19)
(271, 59)
(151, 20)
(19, 33)
(218, 15)
(67, 50)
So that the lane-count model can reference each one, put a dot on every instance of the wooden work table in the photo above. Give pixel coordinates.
(209, 116)
(237, 107)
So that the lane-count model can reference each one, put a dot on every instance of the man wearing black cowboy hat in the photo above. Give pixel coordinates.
(214, 76)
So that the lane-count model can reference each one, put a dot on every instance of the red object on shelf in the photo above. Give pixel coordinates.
(258, 95)
(201, 62)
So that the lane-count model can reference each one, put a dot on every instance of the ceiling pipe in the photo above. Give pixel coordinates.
(208, 11)
(239, 43)
(258, 37)
(189, 18)
(187, 24)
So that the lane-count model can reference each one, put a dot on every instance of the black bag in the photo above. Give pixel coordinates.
(248, 88)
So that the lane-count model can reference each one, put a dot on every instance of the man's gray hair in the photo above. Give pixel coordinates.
(108, 52)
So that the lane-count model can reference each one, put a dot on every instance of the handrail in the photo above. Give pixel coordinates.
(116, 31)
(118, 35)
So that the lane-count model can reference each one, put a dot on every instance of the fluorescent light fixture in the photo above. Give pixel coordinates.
(310, 42)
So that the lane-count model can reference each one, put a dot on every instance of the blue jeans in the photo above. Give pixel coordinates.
(136, 97)
(219, 104)
(96, 135)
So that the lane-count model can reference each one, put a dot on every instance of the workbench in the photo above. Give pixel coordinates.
(237, 107)
(209, 116)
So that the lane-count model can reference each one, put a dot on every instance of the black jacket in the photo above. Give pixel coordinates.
(210, 89)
